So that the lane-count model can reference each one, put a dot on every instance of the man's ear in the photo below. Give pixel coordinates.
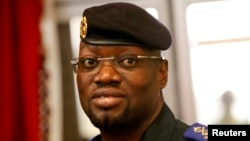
(163, 70)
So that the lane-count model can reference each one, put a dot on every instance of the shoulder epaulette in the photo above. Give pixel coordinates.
(196, 132)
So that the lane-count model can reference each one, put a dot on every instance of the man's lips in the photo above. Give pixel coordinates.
(108, 97)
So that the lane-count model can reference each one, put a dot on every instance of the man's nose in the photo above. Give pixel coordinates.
(107, 74)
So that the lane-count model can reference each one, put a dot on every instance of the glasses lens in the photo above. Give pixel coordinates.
(121, 63)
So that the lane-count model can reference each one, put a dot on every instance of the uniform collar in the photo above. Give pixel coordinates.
(162, 128)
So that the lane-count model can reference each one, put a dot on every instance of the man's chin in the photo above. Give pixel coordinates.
(106, 121)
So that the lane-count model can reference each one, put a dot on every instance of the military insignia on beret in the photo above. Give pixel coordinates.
(83, 28)
(197, 132)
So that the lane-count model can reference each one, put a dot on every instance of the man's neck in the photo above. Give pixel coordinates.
(127, 136)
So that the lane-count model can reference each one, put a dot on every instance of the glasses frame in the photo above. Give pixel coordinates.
(74, 61)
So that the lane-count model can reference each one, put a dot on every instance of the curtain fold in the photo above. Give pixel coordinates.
(20, 62)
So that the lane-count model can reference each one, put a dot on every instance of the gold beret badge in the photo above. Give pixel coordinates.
(83, 28)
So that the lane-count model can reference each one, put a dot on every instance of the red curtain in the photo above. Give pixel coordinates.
(20, 62)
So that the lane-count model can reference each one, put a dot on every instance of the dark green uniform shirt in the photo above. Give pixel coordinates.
(165, 128)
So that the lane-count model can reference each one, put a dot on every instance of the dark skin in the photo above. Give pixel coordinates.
(122, 105)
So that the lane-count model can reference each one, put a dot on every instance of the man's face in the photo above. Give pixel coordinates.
(115, 97)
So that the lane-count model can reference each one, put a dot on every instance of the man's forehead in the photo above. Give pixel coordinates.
(117, 48)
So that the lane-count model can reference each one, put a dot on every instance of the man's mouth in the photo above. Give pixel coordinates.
(108, 98)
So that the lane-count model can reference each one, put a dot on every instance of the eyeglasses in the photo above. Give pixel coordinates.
(123, 63)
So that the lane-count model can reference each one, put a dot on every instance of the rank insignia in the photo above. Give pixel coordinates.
(83, 28)
(197, 132)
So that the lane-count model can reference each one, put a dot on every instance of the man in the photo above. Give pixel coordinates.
(121, 74)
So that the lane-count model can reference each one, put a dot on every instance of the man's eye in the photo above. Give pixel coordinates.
(128, 61)
(88, 62)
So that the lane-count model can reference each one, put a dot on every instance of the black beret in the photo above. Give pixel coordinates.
(123, 24)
